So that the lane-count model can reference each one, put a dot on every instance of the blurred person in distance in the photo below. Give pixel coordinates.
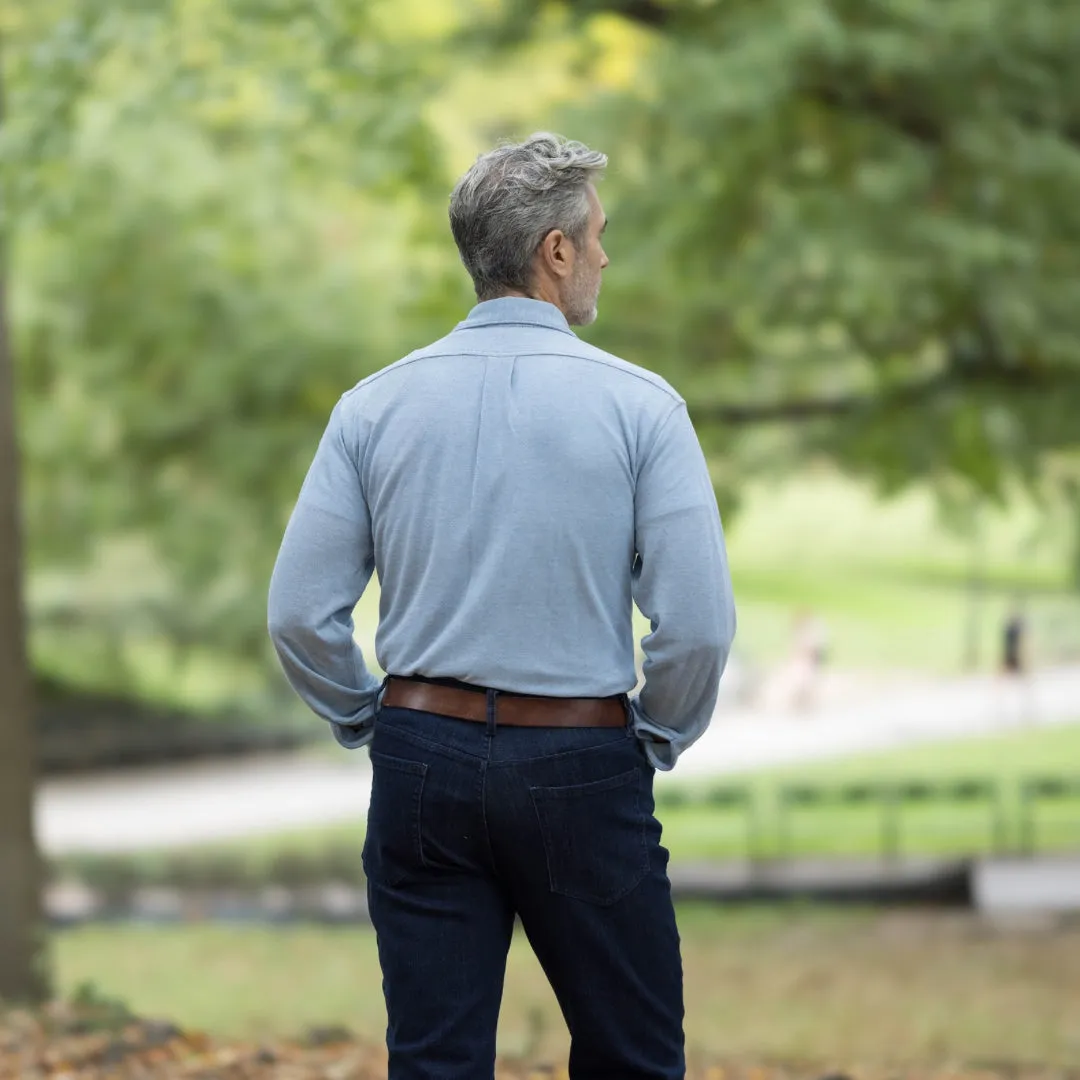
(1015, 689)
(1014, 641)
(810, 650)
(515, 489)
(795, 683)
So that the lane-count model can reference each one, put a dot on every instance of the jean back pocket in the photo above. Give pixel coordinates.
(594, 837)
(392, 847)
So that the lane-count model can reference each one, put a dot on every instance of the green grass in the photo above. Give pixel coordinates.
(787, 982)
(1002, 757)
(893, 583)
(698, 832)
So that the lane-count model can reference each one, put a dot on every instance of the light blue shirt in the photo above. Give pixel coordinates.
(516, 490)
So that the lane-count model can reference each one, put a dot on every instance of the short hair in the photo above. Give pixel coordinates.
(511, 198)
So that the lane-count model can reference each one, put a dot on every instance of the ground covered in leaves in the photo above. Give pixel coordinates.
(102, 1041)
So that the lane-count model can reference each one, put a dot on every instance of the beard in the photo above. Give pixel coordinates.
(581, 298)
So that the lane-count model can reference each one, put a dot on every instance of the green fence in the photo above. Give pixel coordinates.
(1037, 792)
(985, 814)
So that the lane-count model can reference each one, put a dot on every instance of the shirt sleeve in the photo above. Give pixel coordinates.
(325, 563)
(682, 585)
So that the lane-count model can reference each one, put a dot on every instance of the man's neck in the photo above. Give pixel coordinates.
(540, 292)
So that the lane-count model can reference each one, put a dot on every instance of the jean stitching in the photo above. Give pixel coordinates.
(644, 864)
(428, 744)
(466, 755)
(414, 829)
(614, 744)
(418, 832)
(542, 825)
(401, 765)
(591, 787)
(484, 818)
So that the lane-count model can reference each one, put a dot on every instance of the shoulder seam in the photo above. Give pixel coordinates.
(667, 392)
(660, 429)
(413, 358)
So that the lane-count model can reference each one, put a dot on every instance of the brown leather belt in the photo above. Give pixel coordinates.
(512, 710)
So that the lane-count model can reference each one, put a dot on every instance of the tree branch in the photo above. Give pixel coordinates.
(919, 391)
(903, 116)
(832, 90)
(649, 13)
(877, 106)
(646, 12)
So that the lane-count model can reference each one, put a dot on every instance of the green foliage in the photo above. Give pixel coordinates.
(857, 217)
(863, 212)
(189, 333)
(210, 202)
(307, 83)
(99, 1011)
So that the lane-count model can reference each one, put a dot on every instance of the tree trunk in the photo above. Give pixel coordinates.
(23, 975)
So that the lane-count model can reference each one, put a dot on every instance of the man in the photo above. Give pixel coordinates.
(515, 489)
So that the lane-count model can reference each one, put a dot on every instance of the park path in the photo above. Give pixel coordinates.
(893, 715)
(166, 807)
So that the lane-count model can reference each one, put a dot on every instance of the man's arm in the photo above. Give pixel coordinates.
(325, 563)
(681, 584)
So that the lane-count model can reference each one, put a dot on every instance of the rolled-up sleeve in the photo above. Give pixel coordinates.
(325, 563)
(682, 585)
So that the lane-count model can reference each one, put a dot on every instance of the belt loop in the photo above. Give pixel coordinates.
(491, 709)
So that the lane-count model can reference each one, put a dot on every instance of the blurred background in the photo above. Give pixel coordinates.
(847, 232)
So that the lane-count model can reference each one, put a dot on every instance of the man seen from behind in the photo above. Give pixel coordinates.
(517, 491)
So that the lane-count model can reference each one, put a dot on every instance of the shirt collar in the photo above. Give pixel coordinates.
(516, 311)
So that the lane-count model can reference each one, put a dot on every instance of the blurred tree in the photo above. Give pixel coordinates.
(22, 975)
(839, 227)
(211, 204)
(854, 216)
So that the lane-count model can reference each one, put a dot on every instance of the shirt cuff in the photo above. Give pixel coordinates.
(359, 732)
(661, 744)
(353, 736)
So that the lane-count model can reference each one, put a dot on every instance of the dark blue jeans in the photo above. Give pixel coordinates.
(470, 825)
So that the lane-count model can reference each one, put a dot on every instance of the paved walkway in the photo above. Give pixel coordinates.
(900, 715)
(133, 810)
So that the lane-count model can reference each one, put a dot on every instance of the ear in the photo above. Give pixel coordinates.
(556, 253)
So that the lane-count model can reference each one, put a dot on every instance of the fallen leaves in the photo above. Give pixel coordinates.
(68, 1041)
(62, 1042)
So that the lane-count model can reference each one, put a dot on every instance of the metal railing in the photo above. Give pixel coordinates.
(1011, 812)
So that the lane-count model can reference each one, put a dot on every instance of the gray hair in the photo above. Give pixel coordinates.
(514, 195)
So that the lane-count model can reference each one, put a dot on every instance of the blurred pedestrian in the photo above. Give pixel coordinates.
(810, 642)
(514, 488)
(1015, 688)
(1014, 642)
(795, 683)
